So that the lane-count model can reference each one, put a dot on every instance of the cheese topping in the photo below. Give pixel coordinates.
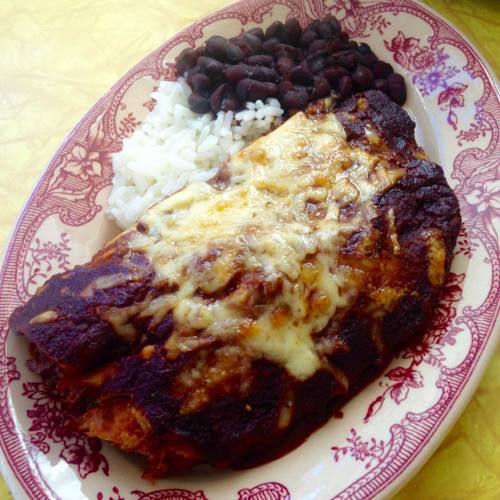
(255, 264)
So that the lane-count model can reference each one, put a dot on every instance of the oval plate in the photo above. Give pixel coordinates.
(392, 426)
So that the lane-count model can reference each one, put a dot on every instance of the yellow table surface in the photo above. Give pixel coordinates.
(57, 57)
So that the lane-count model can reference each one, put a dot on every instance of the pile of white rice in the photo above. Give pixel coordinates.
(174, 147)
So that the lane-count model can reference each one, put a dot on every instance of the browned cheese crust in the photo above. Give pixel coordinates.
(131, 393)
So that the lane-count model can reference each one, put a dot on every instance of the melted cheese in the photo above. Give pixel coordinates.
(264, 224)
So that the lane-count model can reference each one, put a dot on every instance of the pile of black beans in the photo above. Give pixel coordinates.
(295, 66)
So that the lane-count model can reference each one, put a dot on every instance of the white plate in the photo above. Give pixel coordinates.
(392, 426)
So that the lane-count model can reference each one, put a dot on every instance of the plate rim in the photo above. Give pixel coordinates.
(487, 350)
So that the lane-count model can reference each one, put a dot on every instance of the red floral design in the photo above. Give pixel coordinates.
(356, 20)
(452, 97)
(128, 125)
(265, 491)
(115, 496)
(371, 451)
(11, 371)
(82, 163)
(485, 196)
(45, 258)
(49, 423)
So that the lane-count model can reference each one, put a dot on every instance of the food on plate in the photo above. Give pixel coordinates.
(240, 312)
(225, 102)
(285, 62)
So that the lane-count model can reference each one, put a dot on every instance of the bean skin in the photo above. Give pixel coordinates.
(252, 90)
(198, 104)
(317, 46)
(295, 100)
(291, 31)
(213, 67)
(325, 29)
(307, 38)
(254, 42)
(321, 88)
(217, 97)
(240, 71)
(274, 31)
(258, 32)
(216, 47)
(382, 69)
(362, 77)
(200, 82)
(301, 75)
(269, 45)
(284, 65)
(381, 85)
(260, 60)
(316, 63)
(345, 86)
(234, 53)
(397, 88)
(334, 74)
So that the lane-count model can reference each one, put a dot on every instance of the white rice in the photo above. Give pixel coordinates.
(174, 147)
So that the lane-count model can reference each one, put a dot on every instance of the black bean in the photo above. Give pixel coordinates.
(345, 58)
(336, 45)
(284, 65)
(325, 29)
(307, 37)
(216, 46)
(234, 53)
(260, 60)
(317, 46)
(217, 96)
(191, 73)
(369, 60)
(397, 88)
(258, 32)
(285, 50)
(274, 30)
(213, 67)
(334, 74)
(301, 75)
(244, 46)
(382, 69)
(240, 71)
(236, 72)
(230, 103)
(295, 100)
(321, 88)
(263, 73)
(262, 90)
(316, 63)
(362, 77)
(291, 31)
(269, 45)
(344, 36)
(353, 44)
(198, 104)
(381, 85)
(345, 86)
(285, 86)
(364, 48)
(334, 23)
(314, 26)
(254, 42)
(252, 90)
(200, 82)
(182, 61)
